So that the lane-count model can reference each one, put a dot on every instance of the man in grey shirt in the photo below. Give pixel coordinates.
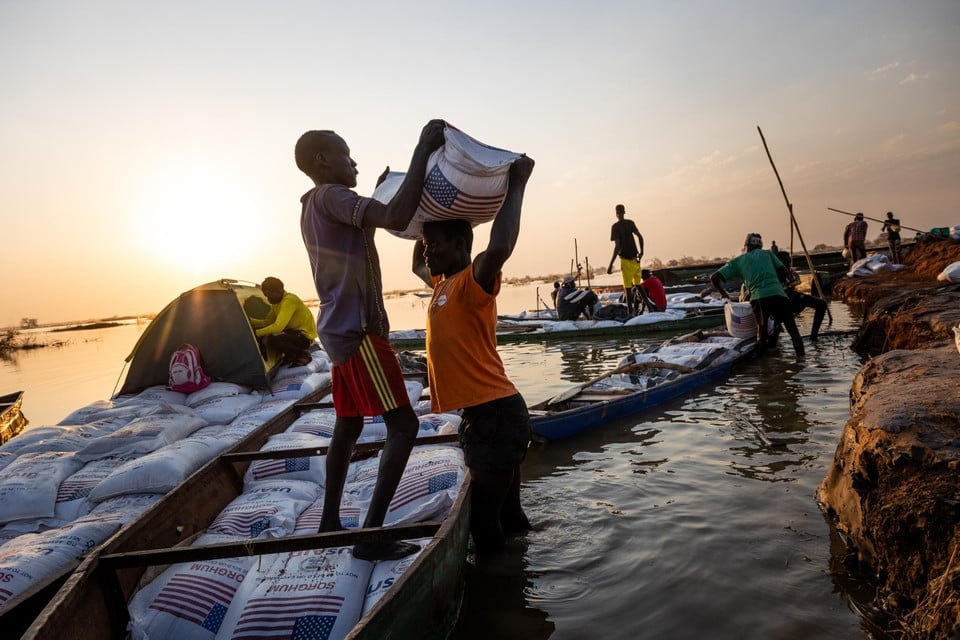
(338, 230)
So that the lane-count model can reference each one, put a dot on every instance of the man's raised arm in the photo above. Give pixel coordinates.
(397, 214)
(506, 226)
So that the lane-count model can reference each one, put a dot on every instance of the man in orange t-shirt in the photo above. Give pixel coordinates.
(464, 369)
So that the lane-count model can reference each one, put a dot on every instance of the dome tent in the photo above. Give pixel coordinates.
(212, 318)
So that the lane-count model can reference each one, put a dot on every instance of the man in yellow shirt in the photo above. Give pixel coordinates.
(289, 328)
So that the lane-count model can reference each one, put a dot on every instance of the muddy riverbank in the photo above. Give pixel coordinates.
(894, 486)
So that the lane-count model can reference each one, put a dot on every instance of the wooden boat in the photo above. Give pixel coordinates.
(12, 420)
(48, 607)
(547, 331)
(660, 373)
(423, 603)
(19, 611)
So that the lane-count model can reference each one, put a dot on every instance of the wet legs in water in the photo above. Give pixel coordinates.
(496, 510)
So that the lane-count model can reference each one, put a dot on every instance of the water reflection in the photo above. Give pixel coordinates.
(765, 410)
(858, 590)
(499, 602)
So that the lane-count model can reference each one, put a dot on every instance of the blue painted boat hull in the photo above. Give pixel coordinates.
(560, 422)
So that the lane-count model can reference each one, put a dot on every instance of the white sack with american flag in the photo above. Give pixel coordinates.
(73, 495)
(740, 320)
(387, 572)
(310, 468)
(266, 509)
(350, 509)
(297, 386)
(188, 601)
(465, 179)
(318, 422)
(306, 594)
(428, 486)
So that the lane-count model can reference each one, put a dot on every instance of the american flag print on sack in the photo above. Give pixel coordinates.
(421, 485)
(443, 200)
(279, 615)
(250, 524)
(263, 469)
(309, 520)
(322, 430)
(200, 599)
(71, 490)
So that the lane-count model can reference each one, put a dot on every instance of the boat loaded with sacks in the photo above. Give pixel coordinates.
(233, 552)
(685, 312)
(640, 381)
(66, 488)
(127, 480)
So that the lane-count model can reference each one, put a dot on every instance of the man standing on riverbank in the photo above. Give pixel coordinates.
(466, 372)
(622, 233)
(892, 226)
(338, 230)
(855, 238)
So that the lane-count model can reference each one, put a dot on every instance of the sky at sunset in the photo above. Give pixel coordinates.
(146, 149)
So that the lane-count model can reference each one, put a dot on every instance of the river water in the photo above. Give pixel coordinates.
(695, 520)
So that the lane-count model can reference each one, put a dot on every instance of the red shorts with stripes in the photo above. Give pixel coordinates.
(370, 383)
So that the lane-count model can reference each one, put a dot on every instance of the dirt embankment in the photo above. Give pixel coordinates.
(894, 486)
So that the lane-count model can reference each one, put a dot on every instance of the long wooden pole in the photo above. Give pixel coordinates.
(796, 227)
(847, 213)
(576, 260)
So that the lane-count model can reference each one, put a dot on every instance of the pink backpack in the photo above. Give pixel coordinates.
(186, 370)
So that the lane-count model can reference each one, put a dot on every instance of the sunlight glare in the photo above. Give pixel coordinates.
(194, 220)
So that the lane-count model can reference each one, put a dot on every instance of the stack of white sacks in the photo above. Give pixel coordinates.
(66, 488)
(293, 593)
(682, 354)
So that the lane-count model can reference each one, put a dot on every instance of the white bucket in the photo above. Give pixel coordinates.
(740, 320)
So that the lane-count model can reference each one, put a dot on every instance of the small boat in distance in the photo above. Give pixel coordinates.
(12, 420)
(511, 331)
(641, 381)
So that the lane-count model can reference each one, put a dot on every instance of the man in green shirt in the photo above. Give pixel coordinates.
(289, 327)
(761, 272)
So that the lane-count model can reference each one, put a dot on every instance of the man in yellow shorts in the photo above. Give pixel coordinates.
(621, 233)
